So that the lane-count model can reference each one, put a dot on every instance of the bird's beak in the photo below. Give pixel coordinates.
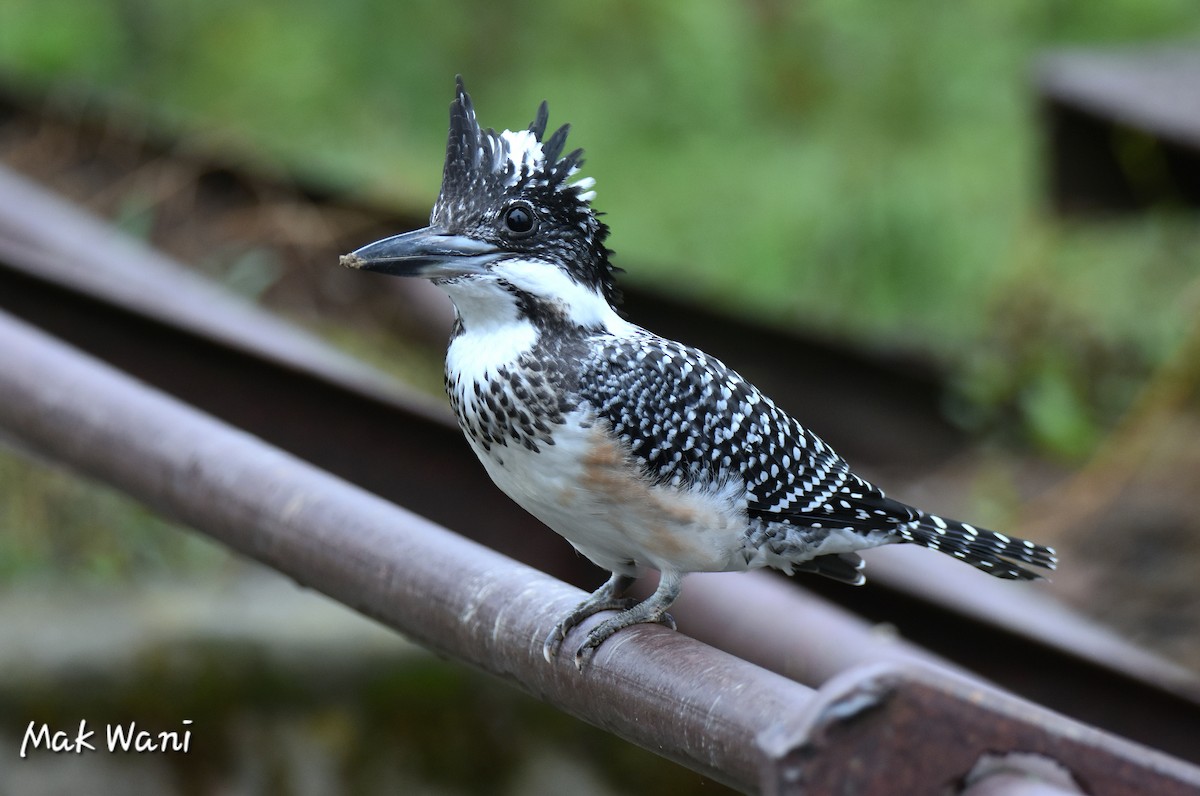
(430, 252)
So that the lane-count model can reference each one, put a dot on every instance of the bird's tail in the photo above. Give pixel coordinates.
(992, 552)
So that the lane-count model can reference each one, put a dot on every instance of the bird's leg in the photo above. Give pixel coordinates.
(606, 598)
(652, 609)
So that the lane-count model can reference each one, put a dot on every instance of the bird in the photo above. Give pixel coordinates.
(644, 453)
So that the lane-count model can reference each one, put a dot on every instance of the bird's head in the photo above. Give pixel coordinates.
(510, 227)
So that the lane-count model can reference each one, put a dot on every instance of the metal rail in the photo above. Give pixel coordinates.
(412, 455)
(868, 730)
(693, 704)
(889, 730)
(132, 307)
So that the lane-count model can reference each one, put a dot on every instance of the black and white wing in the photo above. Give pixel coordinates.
(692, 421)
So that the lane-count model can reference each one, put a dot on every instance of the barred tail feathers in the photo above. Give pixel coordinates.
(989, 551)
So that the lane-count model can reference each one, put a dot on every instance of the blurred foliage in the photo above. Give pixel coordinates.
(54, 522)
(863, 169)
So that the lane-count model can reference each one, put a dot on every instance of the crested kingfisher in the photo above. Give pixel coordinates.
(642, 452)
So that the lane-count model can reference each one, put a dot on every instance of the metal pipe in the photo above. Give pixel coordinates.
(744, 613)
(79, 278)
(496, 610)
(889, 729)
(664, 691)
(43, 234)
(424, 465)
(659, 689)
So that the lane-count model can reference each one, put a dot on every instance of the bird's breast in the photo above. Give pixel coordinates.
(589, 489)
(518, 404)
(502, 396)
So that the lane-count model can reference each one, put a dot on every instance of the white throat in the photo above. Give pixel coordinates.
(486, 306)
(578, 303)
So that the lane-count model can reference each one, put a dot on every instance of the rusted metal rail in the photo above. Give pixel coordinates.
(889, 730)
(696, 705)
(358, 428)
(136, 309)
(868, 731)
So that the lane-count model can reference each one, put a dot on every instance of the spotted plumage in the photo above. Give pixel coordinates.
(642, 452)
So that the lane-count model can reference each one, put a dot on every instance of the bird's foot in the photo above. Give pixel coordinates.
(606, 598)
(605, 630)
(651, 610)
(556, 636)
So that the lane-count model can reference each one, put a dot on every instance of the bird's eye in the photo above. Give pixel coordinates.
(520, 220)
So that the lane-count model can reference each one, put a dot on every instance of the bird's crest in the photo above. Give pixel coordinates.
(482, 162)
(483, 166)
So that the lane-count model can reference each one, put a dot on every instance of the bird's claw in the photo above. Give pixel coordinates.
(555, 637)
(630, 612)
(583, 655)
(553, 642)
(601, 634)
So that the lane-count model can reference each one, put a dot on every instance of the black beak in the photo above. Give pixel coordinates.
(430, 252)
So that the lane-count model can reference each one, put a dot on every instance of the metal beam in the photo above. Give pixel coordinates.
(898, 729)
(868, 730)
(414, 456)
(659, 689)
